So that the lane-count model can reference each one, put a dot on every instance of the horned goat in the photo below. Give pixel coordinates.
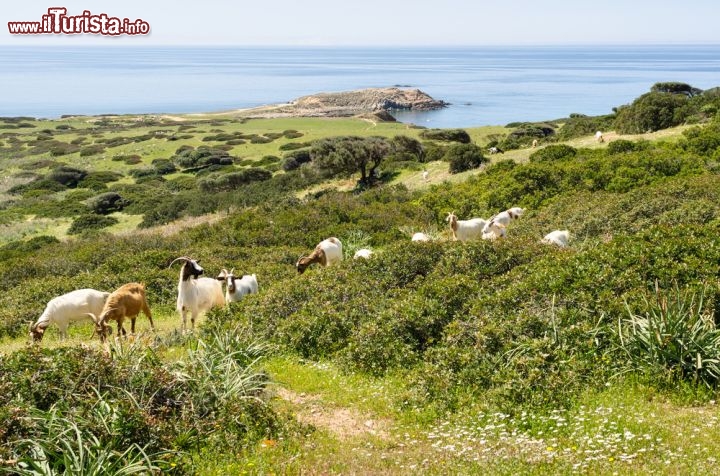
(465, 230)
(126, 301)
(326, 253)
(71, 307)
(196, 295)
(237, 288)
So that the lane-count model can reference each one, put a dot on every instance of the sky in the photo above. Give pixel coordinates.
(384, 22)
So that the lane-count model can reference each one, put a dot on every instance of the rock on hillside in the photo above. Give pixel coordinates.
(351, 103)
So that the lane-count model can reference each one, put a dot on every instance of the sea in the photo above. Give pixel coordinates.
(484, 85)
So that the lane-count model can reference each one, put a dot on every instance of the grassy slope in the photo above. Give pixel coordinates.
(360, 430)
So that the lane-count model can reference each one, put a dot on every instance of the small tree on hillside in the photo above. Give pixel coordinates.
(350, 154)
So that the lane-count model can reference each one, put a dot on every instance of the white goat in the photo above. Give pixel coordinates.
(363, 253)
(493, 230)
(466, 230)
(237, 288)
(326, 253)
(71, 307)
(557, 237)
(196, 295)
(420, 236)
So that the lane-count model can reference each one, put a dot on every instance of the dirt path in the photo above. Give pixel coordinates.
(343, 423)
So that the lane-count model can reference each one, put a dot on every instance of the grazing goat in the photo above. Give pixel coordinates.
(495, 227)
(363, 253)
(420, 236)
(557, 237)
(71, 307)
(126, 301)
(493, 230)
(535, 143)
(496, 150)
(326, 253)
(465, 230)
(599, 136)
(196, 295)
(237, 288)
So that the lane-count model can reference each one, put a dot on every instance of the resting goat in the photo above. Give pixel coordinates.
(126, 301)
(71, 307)
(420, 236)
(237, 288)
(364, 253)
(557, 237)
(196, 295)
(326, 253)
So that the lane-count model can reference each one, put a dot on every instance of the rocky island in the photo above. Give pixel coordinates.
(380, 102)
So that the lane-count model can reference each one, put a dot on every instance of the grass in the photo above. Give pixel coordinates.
(626, 429)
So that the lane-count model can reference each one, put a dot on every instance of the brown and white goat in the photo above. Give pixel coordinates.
(126, 301)
(326, 253)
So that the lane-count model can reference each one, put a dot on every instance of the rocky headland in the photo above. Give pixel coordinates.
(379, 102)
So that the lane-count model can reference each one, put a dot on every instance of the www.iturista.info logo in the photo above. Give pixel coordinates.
(58, 22)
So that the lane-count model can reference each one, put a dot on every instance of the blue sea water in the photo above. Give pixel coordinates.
(485, 85)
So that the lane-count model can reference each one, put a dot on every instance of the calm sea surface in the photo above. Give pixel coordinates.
(486, 85)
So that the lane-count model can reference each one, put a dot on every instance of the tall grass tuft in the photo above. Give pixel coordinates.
(70, 447)
(675, 335)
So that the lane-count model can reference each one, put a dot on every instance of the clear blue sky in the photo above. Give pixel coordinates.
(387, 22)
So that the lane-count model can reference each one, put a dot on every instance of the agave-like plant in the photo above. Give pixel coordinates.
(675, 333)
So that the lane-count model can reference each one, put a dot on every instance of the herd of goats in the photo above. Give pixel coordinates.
(197, 294)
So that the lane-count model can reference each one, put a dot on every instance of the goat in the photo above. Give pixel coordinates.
(599, 136)
(363, 253)
(326, 253)
(71, 307)
(237, 288)
(495, 150)
(557, 237)
(465, 230)
(425, 175)
(493, 230)
(126, 301)
(196, 295)
(420, 236)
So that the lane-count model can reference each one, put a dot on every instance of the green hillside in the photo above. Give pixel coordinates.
(500, 356)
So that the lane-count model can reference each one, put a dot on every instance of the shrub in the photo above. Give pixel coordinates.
(92, 150)
(553, 152)
(446, 135)
(650, 112)
(464, 157)
(67, 176)
(164, 166)
(620, 146)
(85, 223)
(295, 159)
(107, 203)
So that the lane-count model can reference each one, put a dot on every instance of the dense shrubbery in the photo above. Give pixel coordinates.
(464, 157)
(133, 402)
(85, 223)
(446, 135)
(578, 125)
(650, 112)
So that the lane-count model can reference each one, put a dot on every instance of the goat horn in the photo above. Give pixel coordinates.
(182, 258)
(232, 270)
